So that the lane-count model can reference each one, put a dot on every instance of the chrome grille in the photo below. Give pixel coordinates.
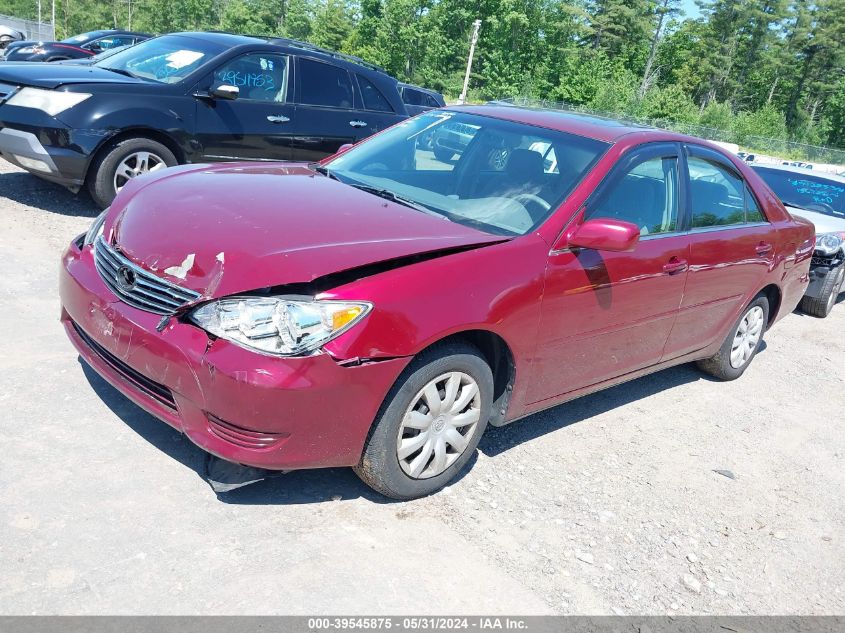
(147, 291)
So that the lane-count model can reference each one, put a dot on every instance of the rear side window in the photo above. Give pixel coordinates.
(412, 97)
(717, 194)
(324, 85)
(752, 209)
(431, 101)
(646, 195)
(373, 98)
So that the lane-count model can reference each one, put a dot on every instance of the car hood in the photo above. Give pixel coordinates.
(824, 223)
(234, 228)
(46, 75)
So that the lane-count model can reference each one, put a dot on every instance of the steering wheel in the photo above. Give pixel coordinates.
(530, 197)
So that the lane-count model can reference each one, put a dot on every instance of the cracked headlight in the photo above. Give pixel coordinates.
(277, 325)
(50, 101)
(829, 243)
(96, 229)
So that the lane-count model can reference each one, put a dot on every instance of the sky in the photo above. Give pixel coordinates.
(690, 8)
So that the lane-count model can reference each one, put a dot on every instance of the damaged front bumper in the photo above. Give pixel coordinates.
(45, 147)
(822, 266)
(248, 408)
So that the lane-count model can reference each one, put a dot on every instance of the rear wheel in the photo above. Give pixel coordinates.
(122, 162)
(742, 344)
(822, 305)
(429, 424)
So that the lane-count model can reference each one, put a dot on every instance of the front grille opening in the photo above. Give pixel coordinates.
(151, 388)
(146, 291)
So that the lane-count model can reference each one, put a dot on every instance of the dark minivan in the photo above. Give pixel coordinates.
(188, 98)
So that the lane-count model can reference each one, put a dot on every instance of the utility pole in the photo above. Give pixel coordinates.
(475, 26)
(40, 34)
(53, 18)
(129, 27)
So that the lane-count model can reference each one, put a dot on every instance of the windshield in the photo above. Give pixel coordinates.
(803, 191)
(166, 59)
(499, 176)
(82, 38)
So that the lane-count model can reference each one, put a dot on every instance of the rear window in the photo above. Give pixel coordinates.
(805, 191)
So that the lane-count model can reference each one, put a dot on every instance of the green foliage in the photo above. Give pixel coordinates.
(749, 68)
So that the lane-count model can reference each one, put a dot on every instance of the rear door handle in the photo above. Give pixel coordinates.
(675, 266)
(358, 123)
(764, 248)
(278, 119)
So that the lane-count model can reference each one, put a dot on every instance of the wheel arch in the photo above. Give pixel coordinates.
(773, 293)
(498, 355)
(137, 132)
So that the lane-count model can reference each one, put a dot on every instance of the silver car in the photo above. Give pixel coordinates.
(820, 198)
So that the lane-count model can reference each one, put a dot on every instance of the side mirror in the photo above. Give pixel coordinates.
(605, 235)
(343, 148)
(225, 91)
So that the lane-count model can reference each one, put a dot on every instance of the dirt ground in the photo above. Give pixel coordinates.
(610, 504)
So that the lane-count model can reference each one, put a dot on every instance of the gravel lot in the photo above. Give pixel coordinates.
(610, 504)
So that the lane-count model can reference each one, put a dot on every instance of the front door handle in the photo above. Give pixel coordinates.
(278, 119)
(763, 248)
(675, 266)
(358, 123)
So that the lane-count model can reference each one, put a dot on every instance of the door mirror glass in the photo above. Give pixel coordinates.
(225, 91)
(606, 235)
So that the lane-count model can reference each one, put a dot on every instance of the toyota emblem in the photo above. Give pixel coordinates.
(126, 278)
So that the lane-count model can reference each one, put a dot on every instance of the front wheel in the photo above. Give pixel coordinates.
(822, 305)
(430, 423)
(122, 162)
(742, 344)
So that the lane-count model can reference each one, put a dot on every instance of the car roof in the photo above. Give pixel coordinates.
(799, 170)
(232, 39)
(596, 127)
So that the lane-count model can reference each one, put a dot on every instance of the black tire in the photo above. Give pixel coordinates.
(719, 366)
(379, 467)
(822, 305)
(102, 172)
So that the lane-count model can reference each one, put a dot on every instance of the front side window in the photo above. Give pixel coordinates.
(645, 195)
(106, 43)
(324, 85)
(258, 76)
(499, 176)
(717, 194)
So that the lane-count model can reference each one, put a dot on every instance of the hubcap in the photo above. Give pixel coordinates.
(747, 336)
(438, 425)
(135, 165)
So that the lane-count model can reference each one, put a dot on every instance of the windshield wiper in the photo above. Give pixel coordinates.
(120, 71)
(322, 169)
(389, 195)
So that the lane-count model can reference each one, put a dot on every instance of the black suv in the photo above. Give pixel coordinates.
(188, 98)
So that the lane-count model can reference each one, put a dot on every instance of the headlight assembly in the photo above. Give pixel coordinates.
(50, 101)
(279, 325)
(96, 229)
(829, 243)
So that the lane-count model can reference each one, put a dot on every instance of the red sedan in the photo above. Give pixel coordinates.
(466, 267)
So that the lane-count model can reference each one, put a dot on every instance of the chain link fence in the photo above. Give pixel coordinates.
(755, 144)
(32, 30)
